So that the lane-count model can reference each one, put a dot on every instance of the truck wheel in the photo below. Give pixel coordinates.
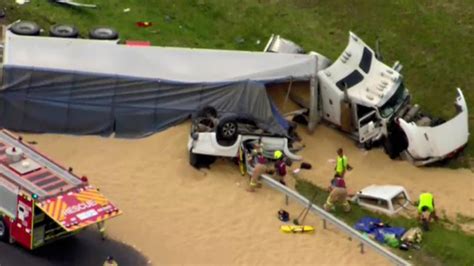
(4, 234)
(368, 145)
(103, 33)
(25, 28)
(390, 149)
(63, 31)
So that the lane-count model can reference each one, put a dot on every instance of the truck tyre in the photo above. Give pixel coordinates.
(103, 33)
(390, 149)
(25, 28)
(368, 145)
(4, 234)
(63, 31)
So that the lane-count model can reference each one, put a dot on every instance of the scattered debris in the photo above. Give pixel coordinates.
(239, 40)
(257, 42)
(138, 43)
(169, 18)
(32, 142)
(305, 165)
(22, 2)
(72, 3)
(144, 24)
(126, 10)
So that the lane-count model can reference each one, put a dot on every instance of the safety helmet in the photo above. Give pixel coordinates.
(277, 154)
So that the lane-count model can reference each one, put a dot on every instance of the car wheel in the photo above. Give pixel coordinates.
(25, 28)
(207, 111)
(64, 31)
(4, 235)
(103, 33)
(200, 160)
(193, 159)
(227, 129)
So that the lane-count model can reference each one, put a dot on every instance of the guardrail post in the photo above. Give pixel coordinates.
(286, 200)
(361, 248)
(324, 224)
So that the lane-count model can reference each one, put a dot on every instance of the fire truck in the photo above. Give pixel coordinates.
(42, 201)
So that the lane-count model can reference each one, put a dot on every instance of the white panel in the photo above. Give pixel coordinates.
(173, 64)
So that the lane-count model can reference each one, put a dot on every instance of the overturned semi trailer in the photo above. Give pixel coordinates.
(82, 86)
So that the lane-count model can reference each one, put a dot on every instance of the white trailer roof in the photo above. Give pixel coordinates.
(171, 64)
(370, 82)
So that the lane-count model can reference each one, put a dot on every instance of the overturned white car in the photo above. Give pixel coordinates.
(214, 135)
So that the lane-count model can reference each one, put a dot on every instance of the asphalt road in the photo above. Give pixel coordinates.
(86, 248)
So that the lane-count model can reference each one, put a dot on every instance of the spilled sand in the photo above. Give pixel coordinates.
(175, 214)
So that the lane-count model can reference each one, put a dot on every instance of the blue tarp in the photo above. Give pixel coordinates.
(374, 226)
(36, 100)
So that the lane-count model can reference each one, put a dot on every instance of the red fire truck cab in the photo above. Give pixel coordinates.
(41, 201)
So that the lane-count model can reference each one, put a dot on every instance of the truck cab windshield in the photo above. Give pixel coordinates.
(393, 103)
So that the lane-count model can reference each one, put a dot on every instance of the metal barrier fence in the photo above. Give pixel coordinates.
(333, 220)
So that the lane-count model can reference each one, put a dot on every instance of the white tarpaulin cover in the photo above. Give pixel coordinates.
(163, 63)
(99, 87)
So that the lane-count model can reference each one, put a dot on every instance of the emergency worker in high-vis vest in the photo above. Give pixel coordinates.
(342, 164)
(426, 207)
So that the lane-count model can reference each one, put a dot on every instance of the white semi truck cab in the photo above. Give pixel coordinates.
(360, 94)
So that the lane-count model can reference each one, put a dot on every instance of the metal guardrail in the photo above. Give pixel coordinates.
(333, 220)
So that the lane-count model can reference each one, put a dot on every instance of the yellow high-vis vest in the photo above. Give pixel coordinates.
(341, 165)
(426, 199)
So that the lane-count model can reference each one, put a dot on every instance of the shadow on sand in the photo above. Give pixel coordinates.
(85, 248)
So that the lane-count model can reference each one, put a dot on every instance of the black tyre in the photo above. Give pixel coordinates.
(63, 31)
(193, 159)
(25, 28)
(4, 234)
(207, 111)
(200, 161)
(103, 33)
(227, 129)
(300, 119)
(368, 145)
